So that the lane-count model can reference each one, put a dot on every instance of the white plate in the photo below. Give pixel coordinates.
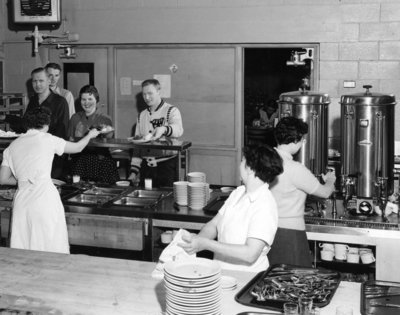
(228, 283)
(136, 141)
(122, 183)
(193, 269)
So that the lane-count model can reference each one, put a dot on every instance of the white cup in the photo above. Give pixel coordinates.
(365, 250)
(166, 237)
(327, 255)
(326, 246)
(367, 258)
(341, 254)
(76, 178)
(354, 250)
(353, 258)
(148, 184)
(341, 247)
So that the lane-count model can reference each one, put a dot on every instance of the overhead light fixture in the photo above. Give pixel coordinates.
(298, 58)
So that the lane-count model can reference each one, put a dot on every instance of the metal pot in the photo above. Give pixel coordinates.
(312, 108)
(367, 157)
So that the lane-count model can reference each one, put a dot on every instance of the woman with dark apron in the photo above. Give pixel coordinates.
(290, 190)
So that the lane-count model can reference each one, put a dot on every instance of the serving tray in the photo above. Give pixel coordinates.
(380, 298)
(282, 283)
(215, 204)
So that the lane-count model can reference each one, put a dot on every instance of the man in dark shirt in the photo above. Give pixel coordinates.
(59, 111)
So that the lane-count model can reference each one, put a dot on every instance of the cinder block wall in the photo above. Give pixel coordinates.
(359, 39)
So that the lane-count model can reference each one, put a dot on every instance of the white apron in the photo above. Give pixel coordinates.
(38, 218)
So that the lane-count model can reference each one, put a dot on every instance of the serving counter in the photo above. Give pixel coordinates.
(47, 283)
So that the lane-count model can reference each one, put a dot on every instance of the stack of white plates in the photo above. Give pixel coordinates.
(193, 287)
(196, 177)
(181, 193)
(197, 195)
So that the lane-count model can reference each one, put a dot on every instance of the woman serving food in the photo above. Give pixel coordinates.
(245, 226)
(38, 219)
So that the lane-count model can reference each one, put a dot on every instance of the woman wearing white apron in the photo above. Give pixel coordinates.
(38, 220)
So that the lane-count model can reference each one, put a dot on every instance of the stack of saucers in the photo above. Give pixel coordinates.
(181, 193)
(193, 287)
(197, 195)
(196, 177)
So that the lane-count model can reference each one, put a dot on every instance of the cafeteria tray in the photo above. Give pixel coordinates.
(282, 283)
(215, 204)
(380, 298)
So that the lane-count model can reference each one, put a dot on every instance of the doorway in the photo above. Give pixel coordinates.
(269, 72)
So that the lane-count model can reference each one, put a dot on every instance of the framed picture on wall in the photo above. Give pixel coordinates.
(39, 11)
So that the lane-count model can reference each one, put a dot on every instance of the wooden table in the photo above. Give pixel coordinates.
(48, 283)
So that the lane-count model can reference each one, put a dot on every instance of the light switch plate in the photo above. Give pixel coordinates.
(349, 84)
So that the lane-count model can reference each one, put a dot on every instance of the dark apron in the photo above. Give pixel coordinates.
(290, 247)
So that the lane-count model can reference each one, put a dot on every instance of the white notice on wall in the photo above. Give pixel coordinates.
(165, 81)
(125, 86)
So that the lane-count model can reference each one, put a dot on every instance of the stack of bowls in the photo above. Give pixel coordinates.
(181, 193)
(193, 287)
(197, 195)
(196, 177)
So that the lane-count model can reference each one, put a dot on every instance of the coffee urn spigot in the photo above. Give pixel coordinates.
(348, 185)
(334, 209)
(381, 192)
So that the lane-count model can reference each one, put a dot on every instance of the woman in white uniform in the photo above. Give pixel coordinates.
(246, 224)
(38, 220)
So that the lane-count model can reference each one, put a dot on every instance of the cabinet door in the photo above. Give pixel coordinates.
(106, 231)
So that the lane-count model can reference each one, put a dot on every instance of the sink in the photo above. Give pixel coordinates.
(90, 199)
(104, 191)
(142, 193)
(134, 201)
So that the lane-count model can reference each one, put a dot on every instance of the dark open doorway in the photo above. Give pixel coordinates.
(269, 72)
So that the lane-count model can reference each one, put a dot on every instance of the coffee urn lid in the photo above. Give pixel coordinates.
(304, 97)
(368, 98)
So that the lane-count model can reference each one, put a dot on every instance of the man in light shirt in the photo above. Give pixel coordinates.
(54, 71)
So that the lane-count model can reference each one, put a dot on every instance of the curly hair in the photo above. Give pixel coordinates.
(264, 161)
(290, 129)
(37, 118)
(90, 89)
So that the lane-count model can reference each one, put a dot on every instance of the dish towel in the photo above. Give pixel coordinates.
(172, 252)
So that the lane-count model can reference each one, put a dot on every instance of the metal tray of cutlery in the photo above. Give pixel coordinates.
(282, 283)
(380, 298)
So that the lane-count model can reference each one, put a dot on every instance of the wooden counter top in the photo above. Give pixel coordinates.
(48, 283)
(167, 144)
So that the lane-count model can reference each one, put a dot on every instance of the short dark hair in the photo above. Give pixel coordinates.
(38, 70)
(53, 65)
(90, 89)
(272, 103)
(264, 161)
(37, 118)
(154, 82)
(290, 129)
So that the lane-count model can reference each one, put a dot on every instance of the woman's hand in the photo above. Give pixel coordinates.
(193, 243)
(93, 133)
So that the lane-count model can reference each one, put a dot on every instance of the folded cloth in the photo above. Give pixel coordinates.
(172, 252)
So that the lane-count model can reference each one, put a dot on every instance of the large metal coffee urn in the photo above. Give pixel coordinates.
(367, 155)
(312, 108)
